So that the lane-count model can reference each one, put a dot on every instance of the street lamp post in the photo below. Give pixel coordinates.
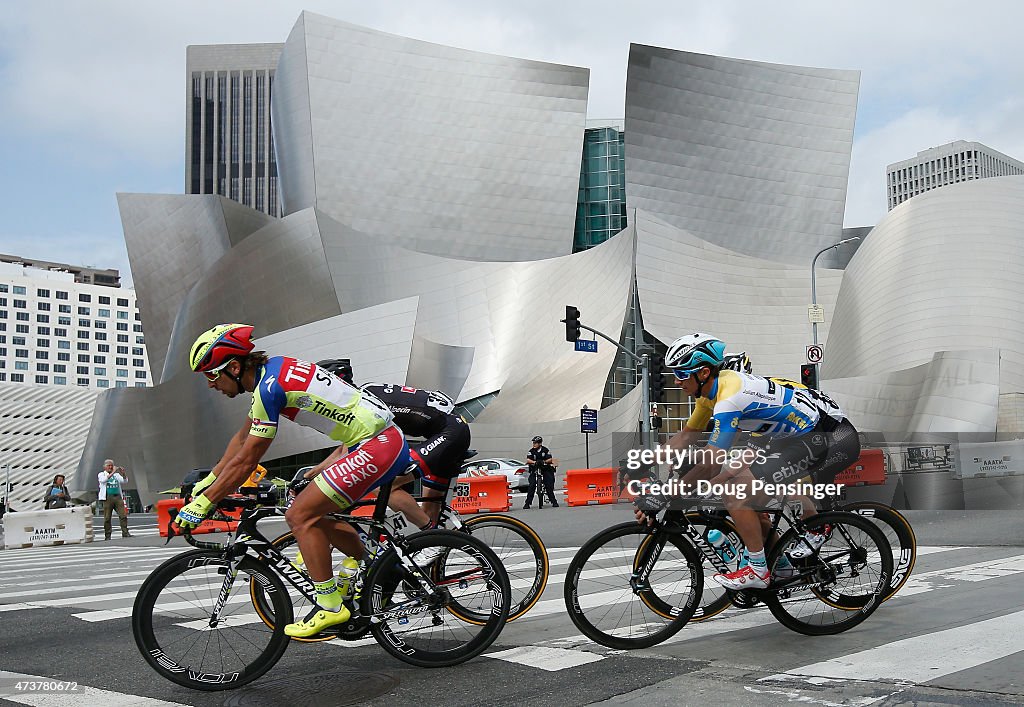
(814, 292)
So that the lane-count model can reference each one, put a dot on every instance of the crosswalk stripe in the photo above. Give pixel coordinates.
(545, 657)
(934, 654)
(92, 696)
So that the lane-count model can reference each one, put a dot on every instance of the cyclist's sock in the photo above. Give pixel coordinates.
(783, 562)
(327, 594)
(758, 561)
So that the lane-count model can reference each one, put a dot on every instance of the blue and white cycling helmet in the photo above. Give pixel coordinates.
(689, 353)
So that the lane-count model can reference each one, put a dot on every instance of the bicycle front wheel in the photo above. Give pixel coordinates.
(839, 585)
(522, 552)
(415, 615)
(898, 532)
(174, 628)
(609, 604)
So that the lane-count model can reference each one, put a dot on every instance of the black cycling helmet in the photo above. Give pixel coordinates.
(538, 438)
(738, 362)
(341, 367)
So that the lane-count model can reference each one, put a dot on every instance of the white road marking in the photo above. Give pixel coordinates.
(92, 696)
(933, 655)
(545, 658)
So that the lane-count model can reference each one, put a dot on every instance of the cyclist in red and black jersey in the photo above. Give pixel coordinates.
(428, 414)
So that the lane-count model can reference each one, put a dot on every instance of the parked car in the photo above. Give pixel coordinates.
(517, 473)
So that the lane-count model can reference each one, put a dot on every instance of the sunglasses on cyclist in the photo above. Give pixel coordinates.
(683, 375)
(215, 374)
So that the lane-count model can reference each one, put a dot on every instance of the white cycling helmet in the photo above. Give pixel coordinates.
(690, 352)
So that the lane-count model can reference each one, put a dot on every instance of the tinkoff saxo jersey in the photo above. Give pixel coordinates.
(741, 401)
(314, 397)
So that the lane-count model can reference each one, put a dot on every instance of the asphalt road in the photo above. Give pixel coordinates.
(952, 636)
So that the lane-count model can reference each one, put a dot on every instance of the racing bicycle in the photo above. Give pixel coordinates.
(195, 624)
(635, 585)
(518, 547)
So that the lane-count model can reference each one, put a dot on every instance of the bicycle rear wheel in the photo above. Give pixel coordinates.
(412, 616)
(607, 604)
(853, 566)
(172, 626)
(523, 554)
(898, 532)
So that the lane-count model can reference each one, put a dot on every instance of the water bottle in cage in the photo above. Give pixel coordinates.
(723, 546)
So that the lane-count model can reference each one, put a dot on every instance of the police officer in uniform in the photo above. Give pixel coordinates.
(541, 471)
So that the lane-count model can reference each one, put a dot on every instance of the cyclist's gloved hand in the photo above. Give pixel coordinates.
(193, 514)
(651, 503)
(297, 485)
(203, 484)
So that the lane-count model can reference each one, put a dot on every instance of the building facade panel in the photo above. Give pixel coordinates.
(181, 424)
(172, 240)
(754, 305)
(443, 151)
(747, 155)
(43, 431)
(943, 271)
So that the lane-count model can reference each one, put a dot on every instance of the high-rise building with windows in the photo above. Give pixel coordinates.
(229, 143)
(936, 167)
(601, 206)
(56, 331)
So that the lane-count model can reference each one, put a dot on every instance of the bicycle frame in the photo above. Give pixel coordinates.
(677, 523)
(248, 539)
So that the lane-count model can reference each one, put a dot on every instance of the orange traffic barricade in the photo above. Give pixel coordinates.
(482, 494)
(869, 470)
(163, 518)
(591, 487)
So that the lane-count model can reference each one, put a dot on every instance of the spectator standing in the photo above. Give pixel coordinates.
(57, 496)
(111, 481)
(542, 471)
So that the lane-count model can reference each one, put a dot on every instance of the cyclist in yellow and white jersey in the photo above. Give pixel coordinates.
(795, 433)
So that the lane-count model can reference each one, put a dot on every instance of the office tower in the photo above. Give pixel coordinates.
(229, 144)
(57, 331)
(936, 167)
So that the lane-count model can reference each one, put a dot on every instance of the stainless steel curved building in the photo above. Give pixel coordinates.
(430, 195)
(943, 271)
(755, 305)
(750, 156)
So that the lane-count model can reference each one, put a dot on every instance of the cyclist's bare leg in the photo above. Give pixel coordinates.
(746, 520)
(304, 518)
(342, 536)
(430, 506)
(402, 501)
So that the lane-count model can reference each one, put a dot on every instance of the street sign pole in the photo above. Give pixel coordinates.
(588, 426)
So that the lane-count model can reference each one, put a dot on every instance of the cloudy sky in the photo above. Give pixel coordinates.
(92, 93)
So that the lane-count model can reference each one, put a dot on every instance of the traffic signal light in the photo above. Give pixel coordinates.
(657, 381)
(809, 375)
(572, 323)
